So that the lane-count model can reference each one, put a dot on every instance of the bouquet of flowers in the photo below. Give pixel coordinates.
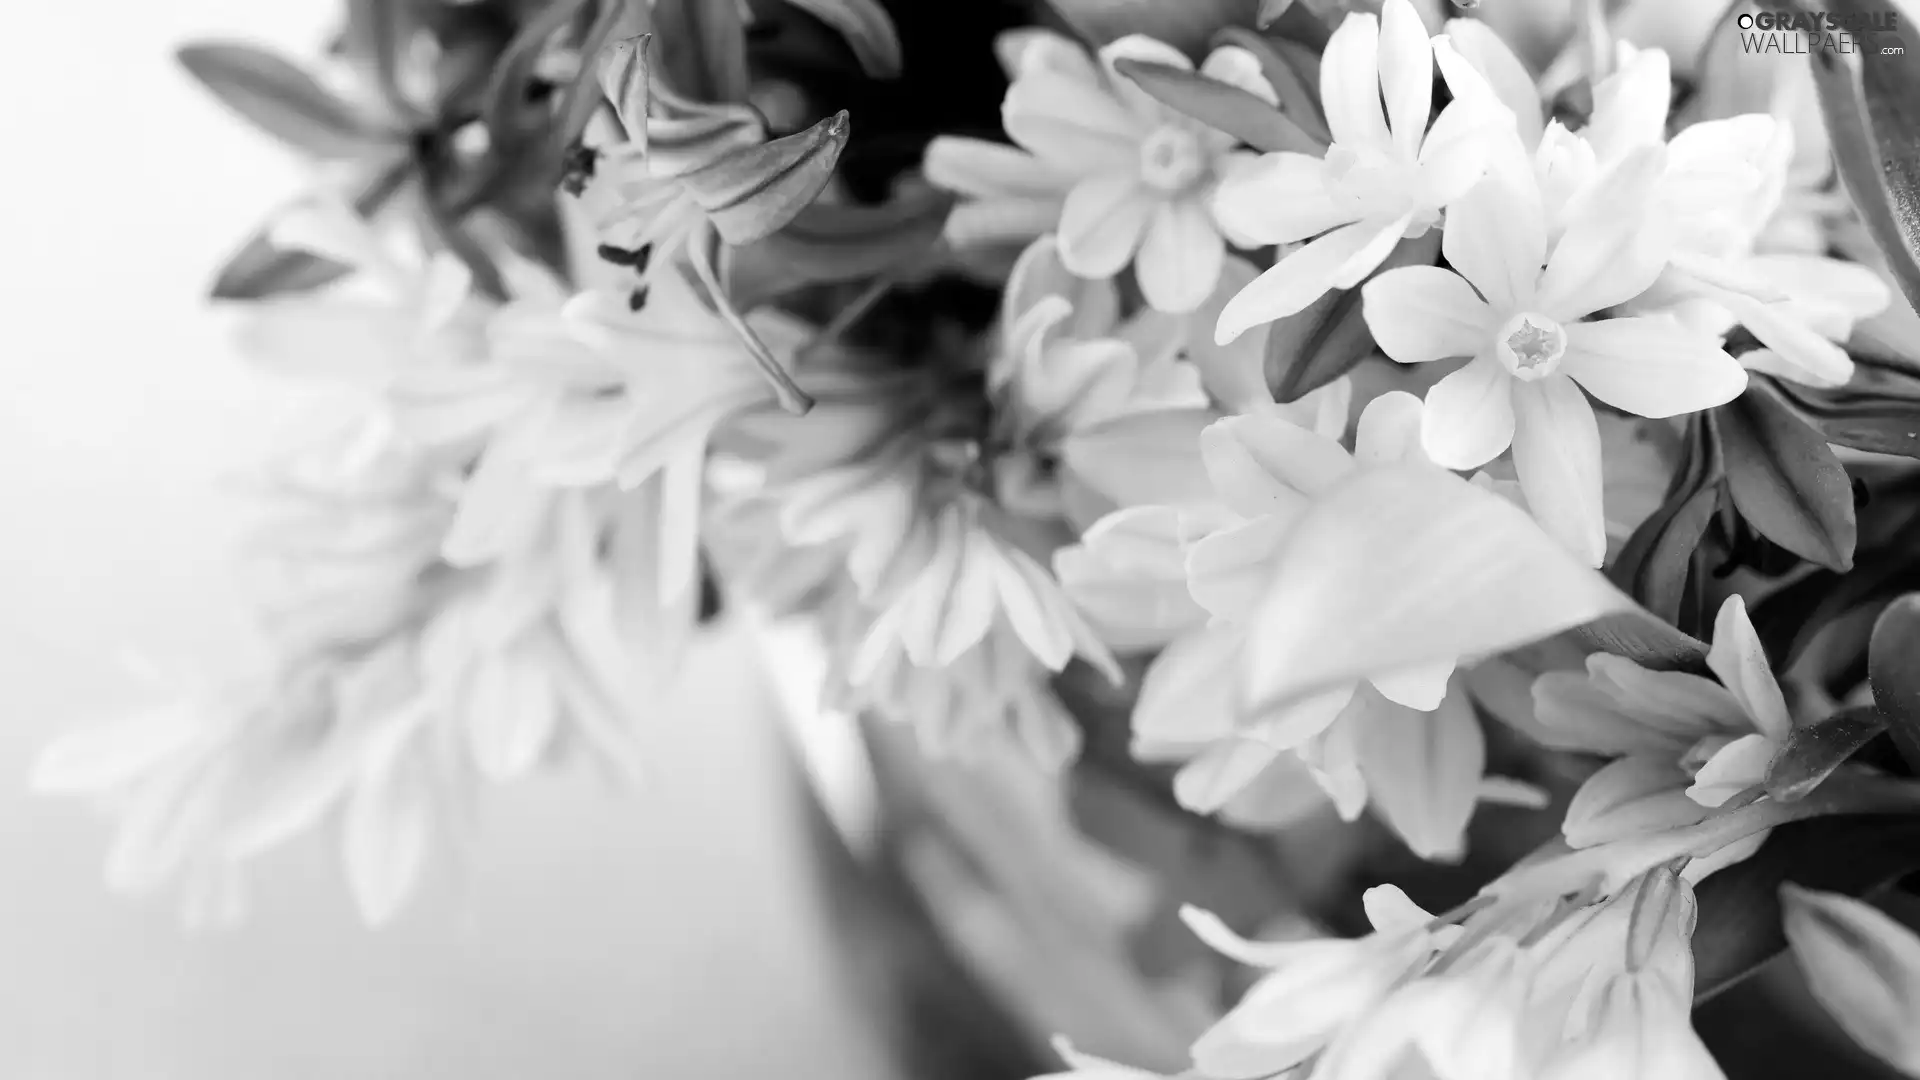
(1386, 534)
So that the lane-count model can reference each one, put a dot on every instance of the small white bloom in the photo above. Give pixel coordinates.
(1385, 177)
(1686, 743)
(1130, 175)
(1516, 307)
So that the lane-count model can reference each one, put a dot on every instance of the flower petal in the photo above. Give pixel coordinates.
(1733, 768)
(1423, 772)
(1128, 574)
(1180, 257)
(1226, 569)
(1503, 71)
(1652, 367)
(1389, 430)
(1496, 237)
(1556, 453)
(1102, 223)
(1147, 50)
(1740, 661)
(1405, 565)
(1278, 198)
(1074, 123)
(1468, 418)
(1636, 795)
(1420, 688)
(1457, 150)
(982, 169)
(1406, 74)
(1350, 84)
(1422, 313)
(1630, 106)
(1610, 252)
(1296, 280)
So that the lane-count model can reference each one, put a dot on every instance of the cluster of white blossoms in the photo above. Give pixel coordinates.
(1503, 329)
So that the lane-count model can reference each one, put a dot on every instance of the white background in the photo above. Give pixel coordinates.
(597, 935)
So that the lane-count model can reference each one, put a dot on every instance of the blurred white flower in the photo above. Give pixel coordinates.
(1684, 743)
(1515, 306)
(1114, 171)
(1385, 177)
(1863, 966)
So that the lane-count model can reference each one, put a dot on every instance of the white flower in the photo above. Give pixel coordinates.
(1385, 176)
(1134, 174)
(1066, 366)
(1685, 743)
(1725, 184)
(1515, 307)
(1314, 989)
(1863, 966)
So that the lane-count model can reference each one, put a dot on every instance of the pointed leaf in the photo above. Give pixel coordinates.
(284, 101)
(1784, 480)
(1292, 69)
(750, 192)
(1871, 104)
(868, 29)
(1184, 24)
(1654, 564)
(1877, 411)
(1311, 349)
(1408, 565)
(1893, 667)
(1739, 921)
(1863, 966)
(1645, 639)
(703, 48)
(1221, 106)
(1814, 750)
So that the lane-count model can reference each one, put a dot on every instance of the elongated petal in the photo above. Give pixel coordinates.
(1652, 367)
(1634, 796)
(1422, 313)
(982, 169)
(1128, 574)
(1576, 714)
(1423, 773)
(1186, 696)
(1612, 249)
(1350, 84)
(1863, 966)
(1488, 53)
(1405, 565)
(1733, 768)
(1406, 74)
(1630, 106)
(1102, 223)
(1147, 50)
(1806, 356)
(1556, 453)
(1142, 458)
(1740, 661)
(1496, 237)
(1298, 279)
(1226, 569)
(1457, 150)
(1279, 198)
(1296, 457)
(1689, 706)
(1420, 688)
(1072, 122)
(1180, 257)
(1468, 418)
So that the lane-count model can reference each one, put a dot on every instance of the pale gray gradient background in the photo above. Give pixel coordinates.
(597, 936)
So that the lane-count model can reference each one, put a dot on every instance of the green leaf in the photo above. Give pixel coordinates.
(1872, 109)
(828, 243)
(1784, 479)
(1654, 564)
(1644, 639)
(1739, 920)
(1893, 667)
(1813, 751)
(703, 48)
(1310, 349)
(1877, 411)
(1293, 70)
(868, 29)
(750, 192)
(1222, 106)
(284, 101)
(1185, 24)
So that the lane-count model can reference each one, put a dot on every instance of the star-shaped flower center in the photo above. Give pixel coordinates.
(1531, 345)
(1171, 159)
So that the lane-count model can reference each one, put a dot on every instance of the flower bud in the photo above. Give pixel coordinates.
(1863, 967)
